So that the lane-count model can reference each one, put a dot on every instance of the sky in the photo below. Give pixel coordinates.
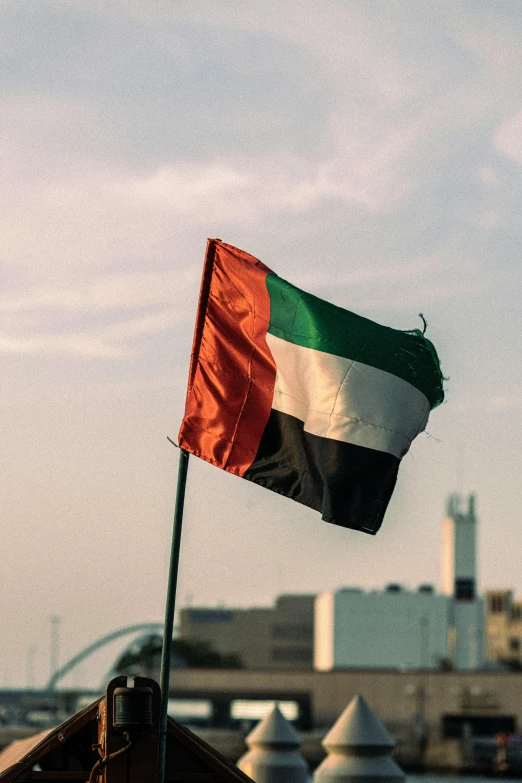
(370, 153)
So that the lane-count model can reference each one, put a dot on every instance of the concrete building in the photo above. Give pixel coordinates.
(398, 628)
(447, 699)
(278, 637)
(503, 627)
(459, 583)
(390, 629)
(459, 549)
(394, 628)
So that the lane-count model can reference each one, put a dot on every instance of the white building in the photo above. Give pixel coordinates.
(398, 628)
(394, 628)
(459, 580)
(459, 549)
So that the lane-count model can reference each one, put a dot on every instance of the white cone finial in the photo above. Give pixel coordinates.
(274, 752)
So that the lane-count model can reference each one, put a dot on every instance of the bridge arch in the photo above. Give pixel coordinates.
(92, 648)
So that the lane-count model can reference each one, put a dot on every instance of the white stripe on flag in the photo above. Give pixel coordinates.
(345, 400)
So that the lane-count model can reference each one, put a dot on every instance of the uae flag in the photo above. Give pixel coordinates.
(301, 396)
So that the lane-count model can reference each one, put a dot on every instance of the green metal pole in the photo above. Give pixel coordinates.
(169, 610)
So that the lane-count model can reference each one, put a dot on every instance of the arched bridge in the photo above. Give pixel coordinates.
(110, 637)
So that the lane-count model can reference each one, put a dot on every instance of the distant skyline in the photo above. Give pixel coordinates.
(369, 153)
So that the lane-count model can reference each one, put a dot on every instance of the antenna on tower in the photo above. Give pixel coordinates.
(460, 460)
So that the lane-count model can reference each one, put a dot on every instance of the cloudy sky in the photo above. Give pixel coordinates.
(370, 152)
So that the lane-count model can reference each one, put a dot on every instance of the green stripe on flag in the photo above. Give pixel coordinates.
(306, 320)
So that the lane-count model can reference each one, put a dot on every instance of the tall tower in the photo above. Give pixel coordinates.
(459, 581)
(459, 549)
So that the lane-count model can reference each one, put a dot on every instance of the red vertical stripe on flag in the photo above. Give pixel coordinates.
(232, 372)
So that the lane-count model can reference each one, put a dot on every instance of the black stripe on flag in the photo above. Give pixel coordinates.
(350, 485)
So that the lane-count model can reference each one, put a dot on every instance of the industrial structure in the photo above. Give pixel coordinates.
(503, 627)
(398, 628)
(428, 661)
(413, 704)
(263, 638)
(390, 629)
(459, 583)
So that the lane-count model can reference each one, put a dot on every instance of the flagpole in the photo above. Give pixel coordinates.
(169, 610)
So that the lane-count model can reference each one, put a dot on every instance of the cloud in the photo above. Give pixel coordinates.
(487, 219)
(492, 38)
(399, 129)
(508, 138)
(380, 138)
(488, 175)
(158, 303)
(114, 341)
(363, 275)
(98, 187)
(80, 346)
(101, 293)
(101, 219)
(427, 294)
(187, 191)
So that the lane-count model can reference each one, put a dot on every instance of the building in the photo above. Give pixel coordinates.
(459, 549)
(503, 627)
(459, 581)
(394, 628)
(390, 629)
(278, 637)
(398, 628)
(448, 699)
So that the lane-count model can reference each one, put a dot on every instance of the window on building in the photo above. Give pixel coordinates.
(209, 615)
(257, 709)
(516, 613)
(496, 604)
(514, 644)
(465, 588)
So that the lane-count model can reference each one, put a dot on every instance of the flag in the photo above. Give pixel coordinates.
(301, 396)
